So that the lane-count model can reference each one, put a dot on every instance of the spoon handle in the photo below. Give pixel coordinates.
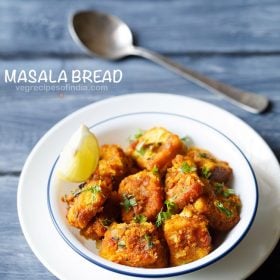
(249, 101)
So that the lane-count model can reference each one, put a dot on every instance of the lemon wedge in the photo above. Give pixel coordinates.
(79, 157)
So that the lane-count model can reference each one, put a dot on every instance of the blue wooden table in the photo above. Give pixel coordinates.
(237, 42)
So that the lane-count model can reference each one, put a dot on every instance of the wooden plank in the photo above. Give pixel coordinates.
(39, 28)
(25, 117)
(17, 261)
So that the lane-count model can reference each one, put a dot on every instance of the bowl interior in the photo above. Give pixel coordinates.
(117, 130)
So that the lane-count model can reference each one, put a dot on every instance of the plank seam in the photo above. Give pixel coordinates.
(44, 55)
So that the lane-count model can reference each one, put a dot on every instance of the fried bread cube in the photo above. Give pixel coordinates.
(141, 194)
(113, 162)
(182, 183)
(87, 201)
(137, 245)
(97, 227)
(156, 148)
(209, 166)
(187, 237)
(221, 207)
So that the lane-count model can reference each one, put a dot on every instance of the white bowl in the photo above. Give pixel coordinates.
(117, 129)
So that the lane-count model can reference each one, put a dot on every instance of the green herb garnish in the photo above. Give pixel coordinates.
(137, 135)
(155, 170)
(203, 155)
(140, 149)
(150, 243)
(206, 173)
(186, 168)
(161, 217)
(128, 202)
(106, 222)
(221, 189)
(228, 192)
(171, 206)
(94, 189)
(223, 209)
(187, 140)
(121, 244)
(140, 219)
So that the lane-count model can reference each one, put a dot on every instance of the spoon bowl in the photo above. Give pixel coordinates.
(105, 36)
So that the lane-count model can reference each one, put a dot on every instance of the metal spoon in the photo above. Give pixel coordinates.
(108, 37)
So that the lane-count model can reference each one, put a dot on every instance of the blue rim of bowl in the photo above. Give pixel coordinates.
(60, 231)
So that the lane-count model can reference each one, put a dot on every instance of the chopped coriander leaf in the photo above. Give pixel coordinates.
(121, 244)
(206, 173)
(165, 215)
(186, 168)
(128, 202)
(228, 192)
(138, 133)
(95, 189)
(106, 222)
(140, 219)
(155, 170)
(223, 209)
(171, 206)
(219, 187)
(203, 155)
(140, 148)
(141, 151)
(150, 243)
(187, 140)
(136, 136)
(161, 217)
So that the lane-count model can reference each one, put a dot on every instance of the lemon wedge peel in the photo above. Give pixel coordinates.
(79, 157)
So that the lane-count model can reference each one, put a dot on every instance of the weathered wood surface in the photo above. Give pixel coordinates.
(17, 260)
(236, 42)
(33, 27)
(27, 116)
